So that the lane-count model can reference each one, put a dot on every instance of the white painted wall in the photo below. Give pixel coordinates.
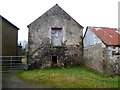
(91, 39)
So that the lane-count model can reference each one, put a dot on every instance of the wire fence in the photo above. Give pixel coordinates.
(13, 63)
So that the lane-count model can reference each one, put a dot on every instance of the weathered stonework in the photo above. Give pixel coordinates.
(113, 53)
(93, 58)
(67, 56)
(42, 51)
(103, 60)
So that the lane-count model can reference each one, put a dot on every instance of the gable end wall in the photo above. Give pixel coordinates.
(40, 34)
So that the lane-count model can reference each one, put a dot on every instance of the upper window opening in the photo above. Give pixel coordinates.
(56, 36)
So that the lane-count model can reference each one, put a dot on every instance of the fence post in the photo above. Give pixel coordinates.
(11, 62)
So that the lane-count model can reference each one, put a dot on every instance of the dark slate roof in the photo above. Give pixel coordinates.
(56, 6)
(9, 22)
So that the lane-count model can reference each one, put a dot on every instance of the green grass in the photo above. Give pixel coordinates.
(74, 77)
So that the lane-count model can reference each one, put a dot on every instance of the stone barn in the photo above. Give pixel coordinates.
(55, 40)
(102, 49)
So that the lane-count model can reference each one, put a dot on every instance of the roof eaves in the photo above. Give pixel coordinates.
(9, 22)
(41, 15)
(103, 40)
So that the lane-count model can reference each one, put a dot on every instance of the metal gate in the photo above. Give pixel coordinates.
(13, 63)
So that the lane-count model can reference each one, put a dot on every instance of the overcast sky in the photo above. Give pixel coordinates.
(100, 13)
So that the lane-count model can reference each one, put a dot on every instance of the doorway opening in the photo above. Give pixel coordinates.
(54, 59)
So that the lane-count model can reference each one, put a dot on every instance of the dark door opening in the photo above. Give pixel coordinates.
(54, 59)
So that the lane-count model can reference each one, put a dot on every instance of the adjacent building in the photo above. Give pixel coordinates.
(8, 38)
(55, 40)
(102, 49)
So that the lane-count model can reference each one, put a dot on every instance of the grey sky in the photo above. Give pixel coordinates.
(100, 13)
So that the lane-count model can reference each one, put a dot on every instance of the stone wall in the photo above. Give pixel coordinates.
(102, 59)
(41, 29)
(66, 56)
(93, 57)
(113, 59)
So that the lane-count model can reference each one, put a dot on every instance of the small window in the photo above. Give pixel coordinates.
(56, 36)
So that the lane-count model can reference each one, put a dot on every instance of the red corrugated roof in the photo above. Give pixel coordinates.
(109, 36)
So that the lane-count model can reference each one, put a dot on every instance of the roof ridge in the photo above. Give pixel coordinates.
(56, 5)
(100, 27)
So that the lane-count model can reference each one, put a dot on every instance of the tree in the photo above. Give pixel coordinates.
(24, 45)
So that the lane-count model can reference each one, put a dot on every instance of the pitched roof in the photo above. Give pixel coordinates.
(110, 36)
(57, 7)
(8, 22)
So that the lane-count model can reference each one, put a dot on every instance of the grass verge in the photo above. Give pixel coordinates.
(74, 77)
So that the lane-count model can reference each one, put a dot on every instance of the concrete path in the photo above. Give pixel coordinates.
(10, 81)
